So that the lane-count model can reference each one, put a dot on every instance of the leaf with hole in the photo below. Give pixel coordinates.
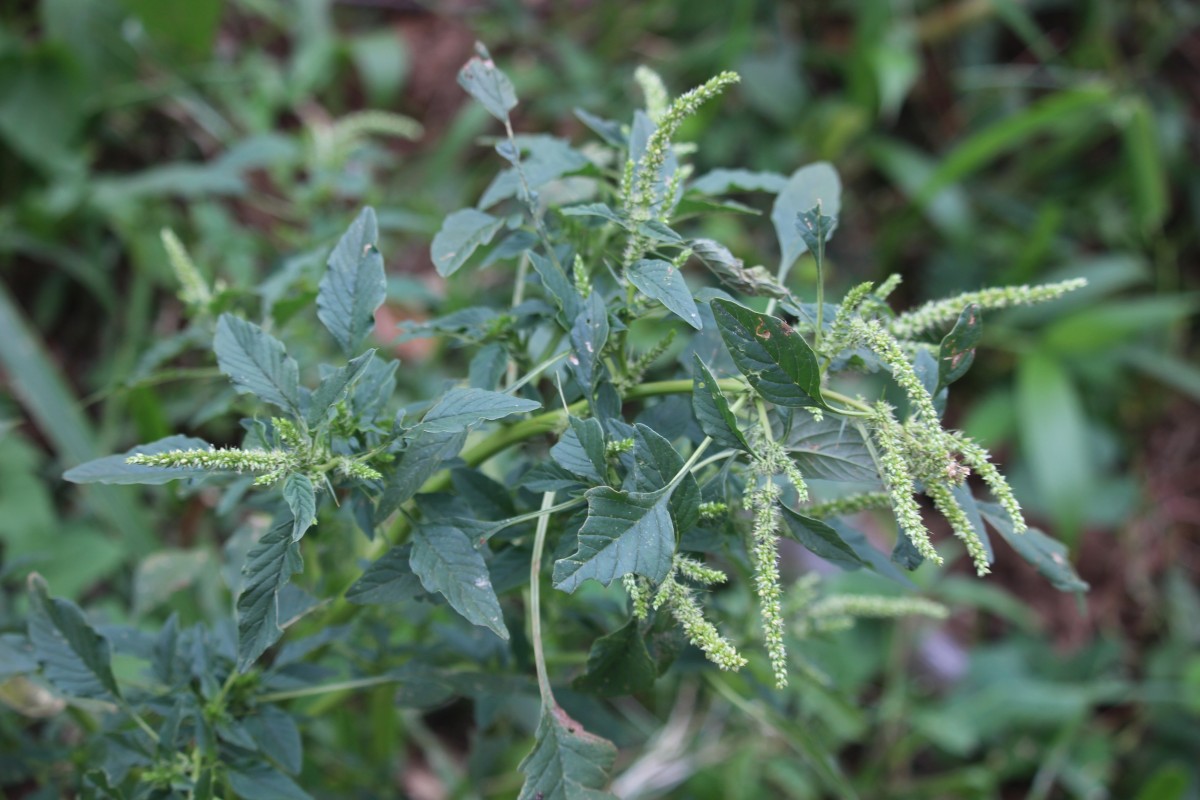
(775, 359)
(447, 563)
(354, 285)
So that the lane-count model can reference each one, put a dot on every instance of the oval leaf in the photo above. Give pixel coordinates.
(659, 280)
(447, 563)
(807, 186)
(775, 359)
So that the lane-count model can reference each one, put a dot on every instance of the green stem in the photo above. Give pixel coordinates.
(535, 599)
(309, 691)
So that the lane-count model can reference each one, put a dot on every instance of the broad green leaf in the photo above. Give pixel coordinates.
(114, 469)
(594, 210)
(1049, 556)
(618, 664)
(461, 234)
(416, 464)
(461, 408)
(905, 553)
(301, 498)
(261, 780)
(269, 567)
(659, 232)
(567, 762)
(580, 450)
(625, 532)
(336, 385)
(957, 350)
(804, 189)
(277, 736)
(608, 130)
(723, 181)
(447, 562)
(659, 280)
(484, 81)
(374, 389)
(389, 580)
(487, 367)
(257, 363)
(74, 656)
(775, 359)
(17, 656)
(712, 409)
(827, 449)
(821, 539)
(354, 285)
(655, 464)
(589, 334)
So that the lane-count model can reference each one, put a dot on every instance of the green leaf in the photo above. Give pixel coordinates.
(257, 362)
(567, 762)
(625, 532)
(277, 736)
(549, 158)
(660, 281)
(733, 272)
(815, 228)
(560, 289)
(1049, 556)
(957, 350)
(301, 498)
(655, 465)
(259, 779)
(712, 409)
(775, 359)
(335, 386)
(487, 84)
(461, 234)
(618, 664)
(461, 408)
(821, 539)
(595, 210)
(807, 186)
(589, 334)
(723, 181)
(447, 563)
(827, 449)
(269, 567)
(608, 130)
(114, 469)
(417, 463)
(355, 285)
(580, 450)
(74, 656)
(389, 580)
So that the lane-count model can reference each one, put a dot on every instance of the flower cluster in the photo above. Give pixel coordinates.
(682, 604)
(274, 464)
(938, 313)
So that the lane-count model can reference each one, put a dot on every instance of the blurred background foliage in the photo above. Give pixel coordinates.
(980, 142)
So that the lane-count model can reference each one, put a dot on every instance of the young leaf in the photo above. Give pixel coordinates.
(74, 656)
(625, 532)
(1051, 557)
(807, 186)
(269, 567)
(957, 351)
(559, 287)
(447, 563)
(335, 386)
(461, 408)
(567, 762)
(487, 84)
(712, 409)
(580, 450)
(815, 228)
(257, 362)
(461, 234)
(114, 469)
(618, 664)
(660, 281)
(354, 285)
(388, 580)
(821, 539)
(775, 359)
(301, 498)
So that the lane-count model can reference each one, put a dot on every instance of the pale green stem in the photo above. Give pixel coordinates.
(535, 599)
(310, 691)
